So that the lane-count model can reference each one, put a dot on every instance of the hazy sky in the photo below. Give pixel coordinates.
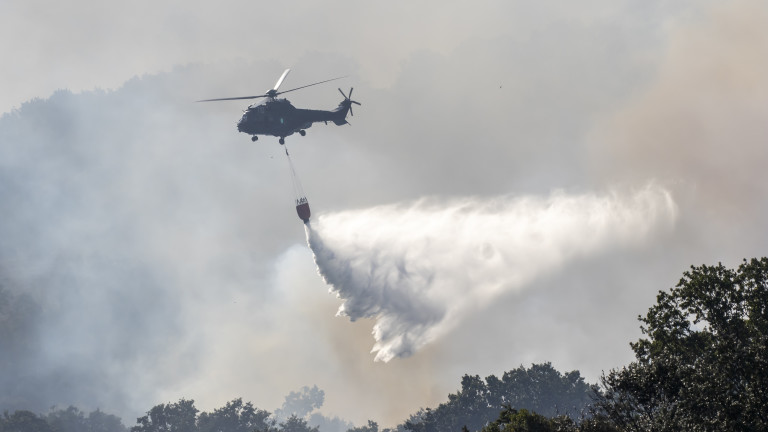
(168, 259)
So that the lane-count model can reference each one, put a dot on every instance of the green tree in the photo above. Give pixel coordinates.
(236, 416)
(540, 388)
(703, 363)
(512, 420)
(176, 417)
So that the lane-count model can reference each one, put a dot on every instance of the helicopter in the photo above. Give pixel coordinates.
(277, 117)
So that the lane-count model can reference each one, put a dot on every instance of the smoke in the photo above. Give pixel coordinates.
(301, 403)
(121, 230)
(305, 404)
(419, 268)
(700, 127)
(159, 257)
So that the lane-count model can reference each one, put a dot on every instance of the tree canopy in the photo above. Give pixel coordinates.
(540, 388)
(70, 419)
(235, 416)
(703, 363)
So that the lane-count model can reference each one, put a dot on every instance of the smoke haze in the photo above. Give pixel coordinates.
(150, 252)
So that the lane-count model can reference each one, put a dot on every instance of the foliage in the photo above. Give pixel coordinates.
(512, 420)
(73, 420)
(328, 424)
(60, 420)
(99, 421)
(178, 417)
(235, 416)
(372, 427)
(703, 365)
(540, 388)
(23, 421)
(296, 424)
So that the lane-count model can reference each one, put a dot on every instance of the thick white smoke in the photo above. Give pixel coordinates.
(418, 268)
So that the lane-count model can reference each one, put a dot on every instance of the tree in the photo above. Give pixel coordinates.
(99, 421)
(23, 421)
(177, 417)
(372, 427)
(703, 364)
(512, 420)
(327, 423)
(67, 420)
(60, 420)
(296, 424)
(540, 388)
(236, 416)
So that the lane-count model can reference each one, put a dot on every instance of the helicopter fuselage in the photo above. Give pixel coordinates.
(277, 117)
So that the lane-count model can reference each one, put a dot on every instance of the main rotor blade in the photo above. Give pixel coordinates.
(355, 102)
(232, 98)
(276, 86)
(280, 81)
(310, 85)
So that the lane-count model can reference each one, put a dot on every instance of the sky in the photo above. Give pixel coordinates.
(519, 182)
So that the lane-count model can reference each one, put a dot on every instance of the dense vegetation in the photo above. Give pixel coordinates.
(541, 389)
(702, 365)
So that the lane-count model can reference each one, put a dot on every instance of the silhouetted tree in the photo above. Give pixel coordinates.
(512, 420)
(542, 389)
(703, 363)
(328, 424)
(296, 424)
(67, 420)
(176, 417)
(372, 427)
(60, 420)
(99, 421)
(236, 416)
(539, 388)
(23, 421)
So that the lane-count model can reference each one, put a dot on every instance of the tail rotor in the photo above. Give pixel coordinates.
(348, 100)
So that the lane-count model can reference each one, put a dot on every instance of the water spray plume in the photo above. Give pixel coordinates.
(419, 268)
